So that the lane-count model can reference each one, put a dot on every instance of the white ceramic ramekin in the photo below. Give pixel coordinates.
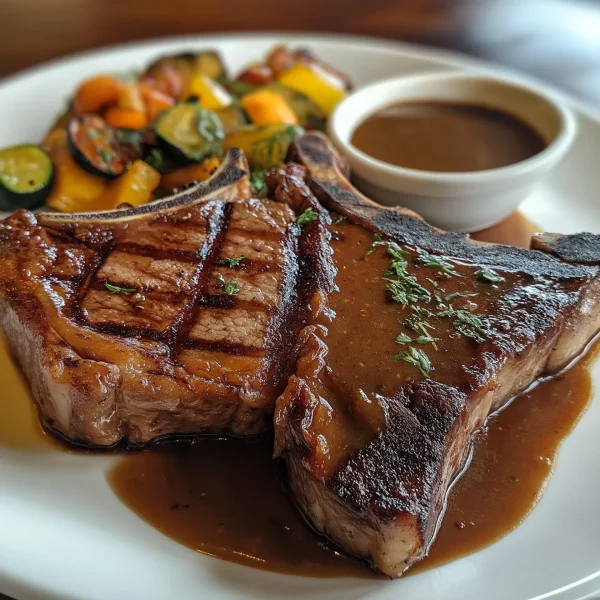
(455, 201)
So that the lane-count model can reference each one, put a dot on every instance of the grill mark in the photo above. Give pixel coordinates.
(224, 347)
(262, 235)
(74, 308)
(225, 301)
(160, 253)
(181, 328)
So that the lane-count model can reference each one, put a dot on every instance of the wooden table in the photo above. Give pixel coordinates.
(555, 40)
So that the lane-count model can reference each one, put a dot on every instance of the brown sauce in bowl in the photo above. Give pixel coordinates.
(446, 137)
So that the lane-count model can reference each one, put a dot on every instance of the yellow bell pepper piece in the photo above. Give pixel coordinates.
(265, 107)
(314, 83)
(134, 187)
(212, 95)
(74, 190)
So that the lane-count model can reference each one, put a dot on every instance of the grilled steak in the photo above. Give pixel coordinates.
(426, 334)
(127, 325)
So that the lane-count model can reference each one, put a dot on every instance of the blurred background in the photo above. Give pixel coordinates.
(555, 40)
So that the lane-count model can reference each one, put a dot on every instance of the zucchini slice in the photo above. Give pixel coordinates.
(265, 146)
(189, 132)
(26, 176)
(232, 117)
(309, 114)
(102, 150)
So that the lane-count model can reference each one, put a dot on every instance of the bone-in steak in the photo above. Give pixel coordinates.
(426, 334)
(135, 324)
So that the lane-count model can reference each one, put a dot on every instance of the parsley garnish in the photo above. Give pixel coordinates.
(115, 289)
(92, 134)
(257, 179)
(339, 220)
(417, 358)
(231, 262)
(230, 288)
(306, 217)
(488, 276)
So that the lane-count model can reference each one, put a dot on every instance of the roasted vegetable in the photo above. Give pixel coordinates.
(155, 102)
(74, 189)
(256, 74)
(189, 132)
(210, 94)
(232, 117)
(98, 148)
(96, 93)
(188, 175)
(134, 187)
(171, 74)
(267, 107)
(312, 81)
(125, 118)
(210, 63)
(309, 113)
(26, 175)
(265, 146)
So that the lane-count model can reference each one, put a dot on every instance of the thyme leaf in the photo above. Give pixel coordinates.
(230, 287)
(417, 358)
(115, 289)
(306, 217)
(488, 275)
(231, 262)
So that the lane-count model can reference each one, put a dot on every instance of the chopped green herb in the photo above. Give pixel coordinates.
(306, 217)
(92, 134)
(128, 136)
(377, 242)
(396, 252)
(467, 323)
(257, 179)
(209, 125)
(231, 262)
(426, 259)
(339, 220)
(115, 289)
(417, 358)
(403, 339)
(457, 295)
(488, 276)
(230, 288)
(106, 155)
(156, 159)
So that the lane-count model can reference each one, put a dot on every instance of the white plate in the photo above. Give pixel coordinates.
(64, 534)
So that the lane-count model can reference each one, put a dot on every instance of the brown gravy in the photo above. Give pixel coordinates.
(440, 136)
(226, 497)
